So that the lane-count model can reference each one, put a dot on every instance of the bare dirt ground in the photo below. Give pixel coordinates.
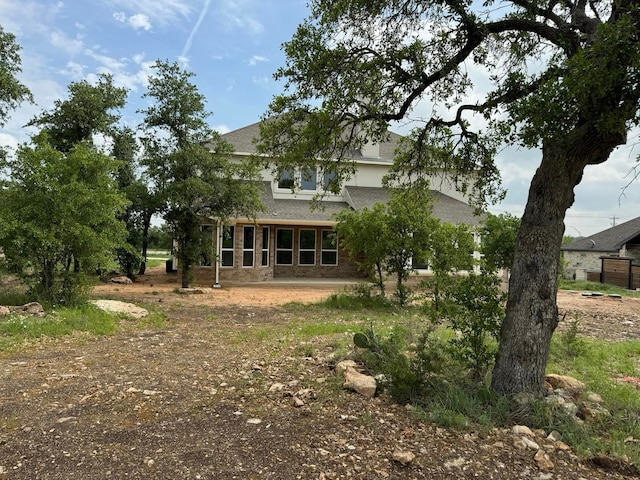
(211, 396)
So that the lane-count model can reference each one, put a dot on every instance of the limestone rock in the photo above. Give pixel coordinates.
(403, 457)
(543, 461)
(363, 384)
(522, 430)
(115, 306)
(4, 311)
(564, 382)
(122, 280)
(33, 308)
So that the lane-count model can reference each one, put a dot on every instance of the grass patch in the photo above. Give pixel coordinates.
(420, 370)
(16, 329)
(583, 285)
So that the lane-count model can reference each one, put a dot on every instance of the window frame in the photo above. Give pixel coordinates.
(266, 232)
(223, 249)
(302, 250)
(328, 250)
(282, 249)
(287, 175)
(308, 178)
(245, 250)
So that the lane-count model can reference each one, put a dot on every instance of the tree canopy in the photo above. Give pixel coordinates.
(563, 76)
(58, 210)
(190, 164)
(12, 91)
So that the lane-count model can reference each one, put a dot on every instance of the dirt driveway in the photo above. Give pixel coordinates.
(222, 392)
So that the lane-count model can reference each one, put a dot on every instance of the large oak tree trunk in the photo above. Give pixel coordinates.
(532, 313)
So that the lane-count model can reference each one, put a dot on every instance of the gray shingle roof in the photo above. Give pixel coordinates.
(243, 141)
(296, 210)
(445, 208)
(609, 240)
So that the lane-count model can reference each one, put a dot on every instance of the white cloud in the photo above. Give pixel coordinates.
(239, 14)
(140, 20)
(62, 41)
(109, 63)
(163, 12)
(73, 70)
(253, 61)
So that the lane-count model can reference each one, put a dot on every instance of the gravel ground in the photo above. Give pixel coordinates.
(208, 397)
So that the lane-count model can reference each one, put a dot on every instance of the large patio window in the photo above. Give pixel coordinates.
(307, 251)
(284, 246)
(227, 246)
(248, 237)
(329, 254)
(265, 246)
(205, 257)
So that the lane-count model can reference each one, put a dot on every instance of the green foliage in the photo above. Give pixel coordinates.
(452, 248)
(353, 67)
(474, 306)
(191, 163)
(385, 239)
(359, 297)
(58, 218)
(15, 329)
(12, 92)
(87, 111)
(498, 234)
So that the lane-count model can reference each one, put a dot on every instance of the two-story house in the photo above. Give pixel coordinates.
(290, 239)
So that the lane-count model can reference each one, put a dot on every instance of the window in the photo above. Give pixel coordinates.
(227, 246)
(308, 179)
(307, 251)
(286, 179)
(205, 255)
(284, 246)
(327, 179)
(248, 234)
(265, 246)
(329, 254)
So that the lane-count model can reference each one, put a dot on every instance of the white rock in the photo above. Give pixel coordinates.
(254, 421)
(115, 306)
(522, 430)
(276, 387)
(530, 444)
(363, 384)
(403, 457)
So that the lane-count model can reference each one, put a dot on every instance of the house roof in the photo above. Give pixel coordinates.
(289, 211)
(610, 240)
(243, 140)
(445, 208)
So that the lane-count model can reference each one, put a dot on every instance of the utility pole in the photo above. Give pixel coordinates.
(613, 220)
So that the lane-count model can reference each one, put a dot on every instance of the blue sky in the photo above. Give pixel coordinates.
(233, 47)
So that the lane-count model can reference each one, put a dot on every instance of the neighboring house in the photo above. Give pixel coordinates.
(585, 254)
(292, 240)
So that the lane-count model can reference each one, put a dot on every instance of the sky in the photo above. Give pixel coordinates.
(234, 47)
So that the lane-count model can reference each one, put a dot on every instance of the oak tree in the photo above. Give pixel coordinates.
(191, 164)
(563, 76)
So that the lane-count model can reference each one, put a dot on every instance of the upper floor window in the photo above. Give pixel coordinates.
(328, 178)
(286, 179)
(308, 179)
